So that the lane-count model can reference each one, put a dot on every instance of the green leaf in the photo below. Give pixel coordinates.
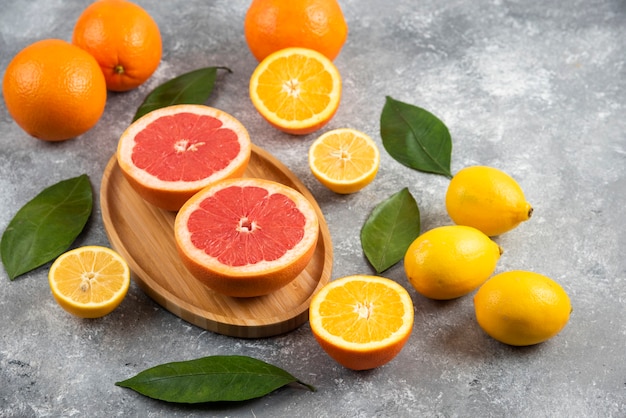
(210, 379)
(46, 226)
(390, 229)
(416, 138)
(194, 87)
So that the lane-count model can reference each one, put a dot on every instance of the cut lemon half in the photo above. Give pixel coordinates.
(344, 160)
(90, 281)
(297, 90)
(362, 321)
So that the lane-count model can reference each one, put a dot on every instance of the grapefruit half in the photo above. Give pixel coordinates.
(171, 153)
(246, 237)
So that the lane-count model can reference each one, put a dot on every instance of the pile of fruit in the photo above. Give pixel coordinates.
(246, 237)
(56, 90)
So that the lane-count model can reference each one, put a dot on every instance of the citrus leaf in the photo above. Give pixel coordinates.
(416, 138)
(210, 379)
(46, 226)
(390, 229)
(194, 87)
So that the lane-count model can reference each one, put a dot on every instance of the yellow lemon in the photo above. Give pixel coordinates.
(90, 281)
(521, 307)
(344, 160)
(487, 199)
(450, 261)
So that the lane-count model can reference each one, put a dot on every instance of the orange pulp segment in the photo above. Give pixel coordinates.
(344, 160)
(89, 281)
(362, 321)
(297, 90)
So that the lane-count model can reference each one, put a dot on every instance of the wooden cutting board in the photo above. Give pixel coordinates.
(144, 235)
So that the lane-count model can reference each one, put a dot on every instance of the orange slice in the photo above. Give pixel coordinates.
(90, 281)
(362, 321)
(344, 160)
(246, 237)
(171, 153)
(297, 90)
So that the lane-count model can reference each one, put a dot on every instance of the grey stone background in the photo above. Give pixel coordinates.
(535, 88)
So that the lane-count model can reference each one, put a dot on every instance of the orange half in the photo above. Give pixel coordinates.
(297, 90)
(362, 321)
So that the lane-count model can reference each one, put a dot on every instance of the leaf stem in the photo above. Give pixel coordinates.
(309, 387)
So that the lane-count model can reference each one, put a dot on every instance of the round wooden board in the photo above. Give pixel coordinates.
(144, 235)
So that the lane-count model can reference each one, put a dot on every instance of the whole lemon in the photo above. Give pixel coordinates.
(521, 307)
(487, 199)
(450, 261)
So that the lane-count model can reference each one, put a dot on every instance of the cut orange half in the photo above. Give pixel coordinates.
(246, 237)
(90, 281)
(362, 321)
(171, 153)
(297, 90)
(344, 160)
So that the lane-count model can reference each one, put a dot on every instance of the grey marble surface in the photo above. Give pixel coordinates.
(537, 89)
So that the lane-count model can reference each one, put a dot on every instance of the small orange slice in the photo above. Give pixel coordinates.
(90, 281)
(297, 90)
(362, 321)
(344, 160)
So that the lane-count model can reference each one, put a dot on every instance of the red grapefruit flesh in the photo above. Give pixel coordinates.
(171, 153)
(246, 237)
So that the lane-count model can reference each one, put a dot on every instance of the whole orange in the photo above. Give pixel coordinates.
(123, 38)
(54, 90)
(271, 25)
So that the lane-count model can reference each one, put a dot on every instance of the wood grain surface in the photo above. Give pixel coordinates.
(144, 235)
